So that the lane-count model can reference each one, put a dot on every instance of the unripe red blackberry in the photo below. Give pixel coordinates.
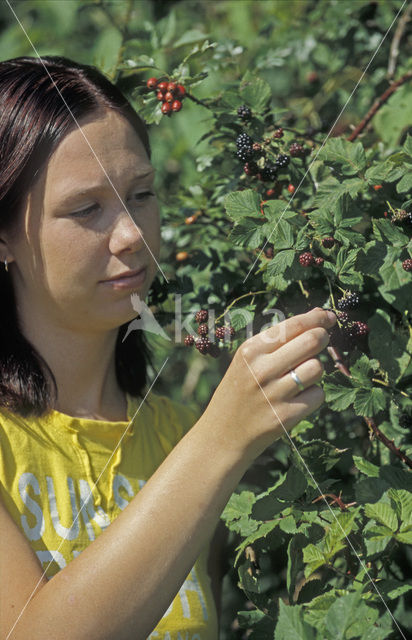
(166, 108)
(348, 301)
(296, 150)
(306, 259)
(176, 105)
(291, 188)
(189, 341)
(278, 133)
(356, 329)
(202, 315)
(202, 345)
(220, 333)
(407, 264)
(203, 329)
(151, 83)
(361, 328)
(250, 168)
(319, 261)
(256, 146)
(328, 242)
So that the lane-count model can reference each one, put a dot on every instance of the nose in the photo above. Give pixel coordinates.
(126, 234)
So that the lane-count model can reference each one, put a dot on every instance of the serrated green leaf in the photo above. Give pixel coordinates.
(349, 157)
(376, 538)
(368, 402)
(331, 190)
(390, 347)
(371, 258)
(345, 263)
(366, 467)
(291, 624)
(240, 204)
(404, 536)
(248, 233)
(402, 502)
(407, 145)
(255, 92)
(405, 184)
(384, 172)
(337, 397)
(361, 370)
(341, 615)
(239, 505)
(313, 559)
(280, 262)
(293, 486)
(386, 229)
(383, 513)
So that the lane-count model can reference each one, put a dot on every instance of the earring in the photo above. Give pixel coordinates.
(5, 265)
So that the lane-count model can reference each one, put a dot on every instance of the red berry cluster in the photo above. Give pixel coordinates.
(407, 264)
(202, 343)
(307, 259)
(169, 94)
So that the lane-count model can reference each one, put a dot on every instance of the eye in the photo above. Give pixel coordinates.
(139, 197)
(143, 195)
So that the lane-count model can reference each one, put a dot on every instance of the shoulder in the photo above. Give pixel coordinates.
(173, 418)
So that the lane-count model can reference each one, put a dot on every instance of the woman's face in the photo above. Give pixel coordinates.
(70, 240)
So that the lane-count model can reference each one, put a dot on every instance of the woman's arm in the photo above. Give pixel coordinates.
(119, 587)
(217, 563)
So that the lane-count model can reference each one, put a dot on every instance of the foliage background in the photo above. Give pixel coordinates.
(312, 54)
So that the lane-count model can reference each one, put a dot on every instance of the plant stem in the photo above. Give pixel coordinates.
(302, 288)
(377, 105)
(245, 295)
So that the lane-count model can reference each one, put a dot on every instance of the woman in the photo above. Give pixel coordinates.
(74, 155)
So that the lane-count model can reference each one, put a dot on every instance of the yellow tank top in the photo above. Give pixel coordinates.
(49, 467)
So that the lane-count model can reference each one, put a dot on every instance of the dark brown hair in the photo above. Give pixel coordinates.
(34, 118)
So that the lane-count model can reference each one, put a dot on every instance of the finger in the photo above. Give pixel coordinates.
(309, 372)
(299, 407)
(274, 337)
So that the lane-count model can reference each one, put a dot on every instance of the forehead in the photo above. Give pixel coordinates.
(104, 142)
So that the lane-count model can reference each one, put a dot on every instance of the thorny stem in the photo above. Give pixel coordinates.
(375, 431)
(377, 105)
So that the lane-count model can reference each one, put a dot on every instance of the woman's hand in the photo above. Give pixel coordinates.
(257, 398)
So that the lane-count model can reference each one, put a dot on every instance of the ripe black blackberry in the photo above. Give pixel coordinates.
(407, 264)
(282, 161)
(189, 341)
(296, 150)
(244, 113)
(245, 153)
(201, 316)
(202, 345)
(405, 420)
(244, 140)
(269, 172)
(348, 301)
(203, 329)
(306, 259)
(328, 242)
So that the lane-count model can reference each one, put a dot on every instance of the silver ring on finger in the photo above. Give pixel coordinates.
(296, 379)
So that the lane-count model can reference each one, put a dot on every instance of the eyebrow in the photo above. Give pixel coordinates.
(68, 197)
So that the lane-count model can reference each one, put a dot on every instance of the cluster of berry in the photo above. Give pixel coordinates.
(251, 152)
(400, 215)
(203, 344)
(169, 94)
(350, 329)
(407, 264)
(307, 258)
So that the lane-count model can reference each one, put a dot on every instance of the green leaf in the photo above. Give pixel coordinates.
(240, 204)
(341, 615)
(239, 505)
(384, 172)
(293, 486)
(368, 402)
(366, 467)
(382, 513)
(295, 561)
(391, 589)
(255, 92)
(392, 348)
(291, 624)
(376, 538)
(282, 235)
(349, 157)
(313, 558)
(249, 233)
(370, 489)
(345, 263)
(331, 190)
(280, 262)
(405, 184)
(387, 229)
(407, 146)
(338, 398)
(402, 502)
(361, 370)
(371, 258)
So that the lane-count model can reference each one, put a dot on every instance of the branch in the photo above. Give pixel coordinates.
(388, 443)
(377, 105)
(394, 50)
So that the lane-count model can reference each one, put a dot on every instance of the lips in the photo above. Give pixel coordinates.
(126, 274)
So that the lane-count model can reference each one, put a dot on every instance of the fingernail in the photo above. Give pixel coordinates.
(331, 315)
